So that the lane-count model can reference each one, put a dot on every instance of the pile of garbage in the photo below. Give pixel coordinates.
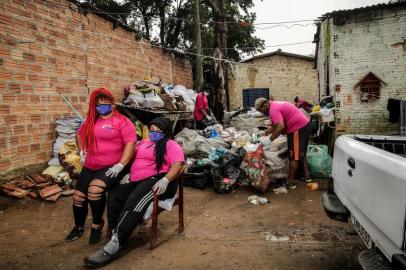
(152, 93)
(66, 129)
(234, 156)
(53, 182)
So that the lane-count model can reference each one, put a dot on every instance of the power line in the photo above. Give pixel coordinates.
(109, 36)
(283, 25)
(268, 46)
(98, 11)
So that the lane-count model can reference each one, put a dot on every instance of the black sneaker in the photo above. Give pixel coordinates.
(74, 234)
(95, 234)
(289, 185)
(307, 179)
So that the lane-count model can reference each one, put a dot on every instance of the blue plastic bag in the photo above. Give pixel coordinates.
(320, 162)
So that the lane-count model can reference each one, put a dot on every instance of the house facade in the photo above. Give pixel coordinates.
(361, 61)
(279, 74)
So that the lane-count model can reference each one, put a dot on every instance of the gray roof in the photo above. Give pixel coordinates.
(278, 52)
(389, 5)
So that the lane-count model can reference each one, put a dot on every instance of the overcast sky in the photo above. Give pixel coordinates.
(269, 11)
(294, 10)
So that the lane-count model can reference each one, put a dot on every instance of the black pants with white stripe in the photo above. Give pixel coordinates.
(127, 203)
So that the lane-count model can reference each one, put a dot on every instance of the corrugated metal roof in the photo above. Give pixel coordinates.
(279, 52)
(361, 9)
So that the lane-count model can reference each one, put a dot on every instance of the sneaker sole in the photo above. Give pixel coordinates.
(98, 265)
(73, 239)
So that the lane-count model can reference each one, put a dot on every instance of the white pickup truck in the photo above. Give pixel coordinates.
(368, 187)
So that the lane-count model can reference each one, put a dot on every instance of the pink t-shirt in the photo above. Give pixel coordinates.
(201, 103)
(111, 135)
(293, 118)
(144, 165)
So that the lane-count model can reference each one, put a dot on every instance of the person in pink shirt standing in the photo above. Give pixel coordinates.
(286, 117)
(106, 142)
(158, 161)
(202, 110)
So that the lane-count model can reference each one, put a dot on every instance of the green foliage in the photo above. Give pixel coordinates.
(170, 23)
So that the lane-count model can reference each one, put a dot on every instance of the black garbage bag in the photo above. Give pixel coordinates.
(224, 177)
(199, 177)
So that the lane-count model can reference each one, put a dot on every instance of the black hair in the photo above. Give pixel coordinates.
(207, 87)
(165, 125)
(296, 99)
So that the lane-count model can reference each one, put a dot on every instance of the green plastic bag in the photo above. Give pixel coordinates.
(320, 162)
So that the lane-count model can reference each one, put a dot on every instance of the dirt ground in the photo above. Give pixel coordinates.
(222, 232)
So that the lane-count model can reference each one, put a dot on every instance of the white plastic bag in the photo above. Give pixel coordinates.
(166, 204)
(152, 101)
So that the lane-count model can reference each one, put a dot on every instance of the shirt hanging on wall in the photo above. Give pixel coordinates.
(394, 110)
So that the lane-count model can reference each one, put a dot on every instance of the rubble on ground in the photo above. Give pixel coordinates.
(44, 186)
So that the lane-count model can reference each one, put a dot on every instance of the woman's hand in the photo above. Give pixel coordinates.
(114, 170)
(160, 186)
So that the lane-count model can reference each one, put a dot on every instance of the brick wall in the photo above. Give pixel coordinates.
(285, 76)
(48, 48)
(361, 46)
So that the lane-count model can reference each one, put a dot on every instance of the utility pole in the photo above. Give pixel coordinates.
(198, 44)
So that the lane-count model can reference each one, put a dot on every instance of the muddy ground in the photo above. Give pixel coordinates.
(222, 232)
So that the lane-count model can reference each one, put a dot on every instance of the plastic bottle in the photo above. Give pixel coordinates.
(312, 186)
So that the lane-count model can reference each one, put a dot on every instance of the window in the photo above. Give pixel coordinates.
(336, 71)
(335, 55)
(370, 87)
(251, 94)
(338, 88)
(335, 38)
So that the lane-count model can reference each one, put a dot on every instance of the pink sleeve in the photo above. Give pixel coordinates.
(128, 131)
(275, 114)
(199, 102)
(174, 153)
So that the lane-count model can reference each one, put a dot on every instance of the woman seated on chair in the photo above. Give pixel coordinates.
(158, 162)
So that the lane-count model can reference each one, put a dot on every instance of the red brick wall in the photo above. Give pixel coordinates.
(48, 48)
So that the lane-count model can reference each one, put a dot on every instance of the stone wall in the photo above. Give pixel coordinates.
(285, 76)
(357, 47)
(48, 47)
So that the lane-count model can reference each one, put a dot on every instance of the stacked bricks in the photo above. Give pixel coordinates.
(47, 48)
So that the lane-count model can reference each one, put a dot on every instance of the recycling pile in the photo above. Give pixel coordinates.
(66, 129)
(60, 176)
(153, 94)
(233, 157)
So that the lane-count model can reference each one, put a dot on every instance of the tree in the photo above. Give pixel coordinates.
(218, 72)
(113, 7)
(227, 30)
(198, 45)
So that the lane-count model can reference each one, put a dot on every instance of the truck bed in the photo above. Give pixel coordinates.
(369, 174)
(392, 144)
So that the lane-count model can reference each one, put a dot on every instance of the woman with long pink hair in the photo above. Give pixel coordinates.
(106, 141)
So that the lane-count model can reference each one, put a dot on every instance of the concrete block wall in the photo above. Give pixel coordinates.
(362, 46)
(46, 48)
(285, 76)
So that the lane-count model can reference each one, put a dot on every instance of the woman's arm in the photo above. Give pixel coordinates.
(174, 171)
(128, 153)
(78, 142)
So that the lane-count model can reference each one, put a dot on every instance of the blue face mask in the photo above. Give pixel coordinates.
(155, 136)
(104, 109)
